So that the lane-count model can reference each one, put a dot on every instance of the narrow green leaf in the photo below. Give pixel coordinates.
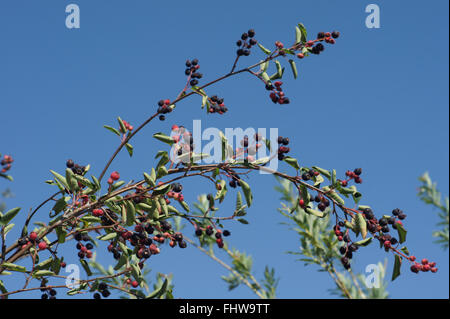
(129, 149)
(292, 161)
(9, 215)
(86, 267)
(401, 233)
(397, 265)
(163, 138)
(131, 213)
(112, 129)
(364, 242)
(247, 192)
(263, 49)
(293, 68)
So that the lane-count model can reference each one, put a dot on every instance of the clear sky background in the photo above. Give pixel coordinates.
(378, 99)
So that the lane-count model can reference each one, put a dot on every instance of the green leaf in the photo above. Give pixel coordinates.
(107, 236)
(220, 195)
(159, 292)
(264, 66)
(131, 213)
(8, 229)
(364, 242)
(242, 221)
(41, 273)
(401, 233)
(247, 192)
(44, 264)
(397, 265)
(71, 181)
(112, 129)
(405, 250)
(292, 161)
(298, 35)
(122, 126)
(162, 171)
(3, 288)
(61, 234)
(304, 34)
(60, 205)
(129, 149)
(185, 206)
(149, 180)
(86, 267)
(8, 216)
(163, 138)
(13, 267)
(61, 179)
(265, 77)
(263, 49)
(293, 68)
(322, 171)
(361, 225)
(314, 212)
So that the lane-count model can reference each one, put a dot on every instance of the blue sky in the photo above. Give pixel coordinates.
(378, 99)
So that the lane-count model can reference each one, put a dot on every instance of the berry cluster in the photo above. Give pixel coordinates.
(164, 107)
(424, 266)
(277, 94)
(282, 147)
(32, 239)
(322, 201)
(348, 249)
(113, 177)
(374, 225)
(175, 193)
(127, 125)
(355, 175)
(183, 139)
(48, 293)
(322, 36)
(192, 72)
(247, 150)
(103, 288)
(245, 43)
(217, 105)
(83, 250)
(76, 168)
(209, 231)
(6, 163)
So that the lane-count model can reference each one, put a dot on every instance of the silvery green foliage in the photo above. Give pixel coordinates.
(430, 195)
(319, 246)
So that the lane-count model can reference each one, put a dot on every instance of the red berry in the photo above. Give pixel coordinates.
(175, 127)
(344, 183)
(97, 212)
(42, 245)
(387, 244)
(167, 101)
(424, 261)
(63, 265)
(301, 202)
(412, 258)
(340, 238)
(33, 236)
(110, 181)
(434, 269)
(300, 55)
(426, 267)
(134, 283)
(115, 176)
